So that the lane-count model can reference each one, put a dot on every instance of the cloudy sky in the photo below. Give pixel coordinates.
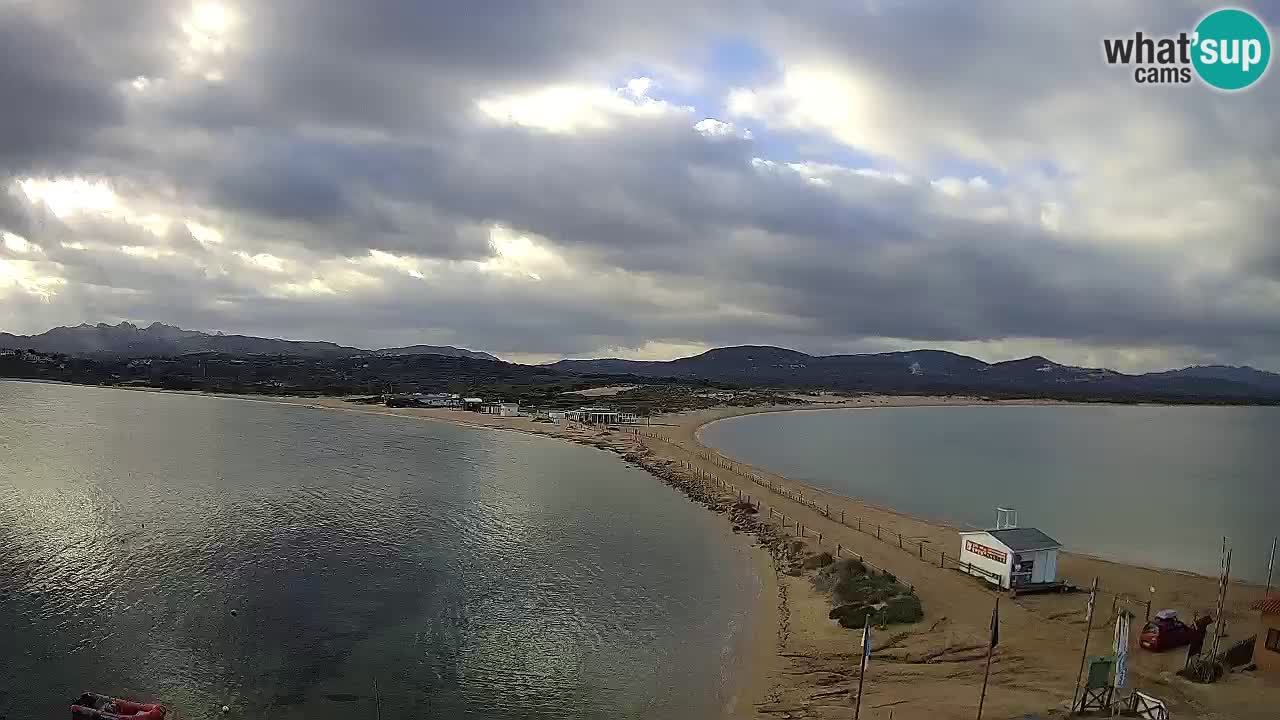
(578, 178)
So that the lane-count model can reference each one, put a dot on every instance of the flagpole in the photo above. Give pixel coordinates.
(1270, 566)
(862, 670)
(991, 647)
(1084, 653)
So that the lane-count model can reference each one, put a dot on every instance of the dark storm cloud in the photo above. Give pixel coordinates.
(52, 97)
(323, 131)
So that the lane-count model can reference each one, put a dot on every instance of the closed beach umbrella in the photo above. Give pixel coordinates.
(1122, 648)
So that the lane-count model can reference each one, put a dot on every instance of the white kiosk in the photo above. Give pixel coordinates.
(1012, 557)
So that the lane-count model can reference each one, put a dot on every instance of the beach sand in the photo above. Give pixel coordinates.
(797, 663)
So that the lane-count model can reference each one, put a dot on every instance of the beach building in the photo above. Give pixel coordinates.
(1011, 557)
(1266, 648)
(601, 416)
(472, 403)
(434, 400)
(501, 409)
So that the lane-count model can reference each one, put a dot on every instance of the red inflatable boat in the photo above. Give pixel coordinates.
(101, 707)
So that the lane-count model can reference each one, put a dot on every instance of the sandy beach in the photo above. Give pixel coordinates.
(797, 663)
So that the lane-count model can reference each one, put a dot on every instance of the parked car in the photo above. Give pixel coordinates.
(1166, 632)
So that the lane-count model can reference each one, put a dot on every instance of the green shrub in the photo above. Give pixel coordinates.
(863, 589)
(903, 609)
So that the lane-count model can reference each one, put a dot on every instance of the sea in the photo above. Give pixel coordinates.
(293, 562)
(1158, 486)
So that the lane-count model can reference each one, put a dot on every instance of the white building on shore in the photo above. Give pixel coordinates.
(1009, 556)
(602, 416)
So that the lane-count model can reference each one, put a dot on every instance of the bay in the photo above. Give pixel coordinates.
(282, 560)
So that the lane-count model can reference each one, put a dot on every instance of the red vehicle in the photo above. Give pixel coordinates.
(1166, 632)
(103, 707)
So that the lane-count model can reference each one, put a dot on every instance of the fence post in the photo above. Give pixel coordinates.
(819, 538)
(837, 549)
(943, 563)
(899, 541)
(827, 512)
(921, 546)
(877, 532)
(841, 517)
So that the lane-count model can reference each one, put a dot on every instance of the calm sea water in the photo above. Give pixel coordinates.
(280, 560)
(1152, 485)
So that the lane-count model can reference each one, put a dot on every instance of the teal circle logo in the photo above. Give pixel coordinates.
(1232, 49)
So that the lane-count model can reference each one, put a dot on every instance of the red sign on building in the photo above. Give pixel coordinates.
(986, 552)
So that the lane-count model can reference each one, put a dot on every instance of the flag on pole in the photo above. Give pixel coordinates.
(1092, 599)
(995, 625)
(866, 645)
(1121, 648)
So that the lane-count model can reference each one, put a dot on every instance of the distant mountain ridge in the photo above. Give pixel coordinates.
(158, 339)
(938, 371)
(926, 372)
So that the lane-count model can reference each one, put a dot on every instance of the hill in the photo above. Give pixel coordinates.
(942, 372)
(158, 340)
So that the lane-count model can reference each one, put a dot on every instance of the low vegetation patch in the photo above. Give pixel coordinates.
(859, 593)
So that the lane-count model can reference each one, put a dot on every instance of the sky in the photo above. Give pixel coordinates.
(582, 178)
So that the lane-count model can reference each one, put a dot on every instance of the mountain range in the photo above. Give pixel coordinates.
(158, 339)
(938, 371)
(912, 371)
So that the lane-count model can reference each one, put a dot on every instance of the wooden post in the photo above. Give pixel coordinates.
(943, 563)
(899, 541)
(991, 647)
(841, 517)
(819, 538)
(921, 546)
(877, 532)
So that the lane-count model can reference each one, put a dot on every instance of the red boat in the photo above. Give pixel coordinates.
(102, 707)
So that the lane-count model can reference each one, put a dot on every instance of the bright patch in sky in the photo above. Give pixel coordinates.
(405, 264)
(19, 244)
(266, 261)
(517, 255)
(23, 275)
(204, 233)
(573, 108)
(67, 196)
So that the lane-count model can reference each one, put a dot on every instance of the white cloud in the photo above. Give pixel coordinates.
(576, 108)
(521, 256)
(265, 261)
(19, 244)
(711, 127)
